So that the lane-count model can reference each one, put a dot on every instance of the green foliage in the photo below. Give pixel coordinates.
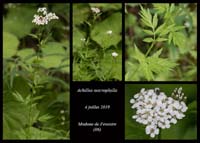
(95, 37)
(185, 128)
(160, 32)
(35, 73)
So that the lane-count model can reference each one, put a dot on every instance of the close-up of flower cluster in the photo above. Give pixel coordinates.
(45, 17)
(156, 110)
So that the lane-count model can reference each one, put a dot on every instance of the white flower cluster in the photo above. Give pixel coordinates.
(44, 18)
(157, 111)
(95, 10)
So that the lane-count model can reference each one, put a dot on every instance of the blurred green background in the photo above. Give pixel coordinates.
(185, 128)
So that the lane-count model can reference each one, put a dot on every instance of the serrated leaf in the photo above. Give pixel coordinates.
(148, 40)
(145, 68)
(146, 17)
(176, 28)
(160, 65)
(148, 32)
(45, 117)
(18, 97)
(78, 39)
(178, 39)
(161, 8)
(166, 30)
(157, 53)
(53, 54)
(138, 54)
(24, 53)
(160, 28)
(33, 36)
(15, 116)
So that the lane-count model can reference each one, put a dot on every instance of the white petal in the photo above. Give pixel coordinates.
(132, 101)
(148, 129)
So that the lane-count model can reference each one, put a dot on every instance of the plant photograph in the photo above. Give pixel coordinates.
(97, 46)
(161, 42)
(35, 71)
(160, 111)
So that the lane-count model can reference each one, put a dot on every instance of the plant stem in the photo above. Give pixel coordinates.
(159, 135)
(147, 53)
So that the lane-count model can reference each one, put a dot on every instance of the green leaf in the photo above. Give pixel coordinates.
(160, 65)
(25, 53)
(100, 35)
(157, 53)
(148, 32)
(161, 39)
(138, 54)
(148, 40)
(53, 53)
(10, 44)
(166, 30)
(160, 28)
(155, 21)
(178, 39)
(146, 69)
(161, 8)
(146, 17)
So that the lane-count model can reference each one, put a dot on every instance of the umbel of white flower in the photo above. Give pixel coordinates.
(157, 111)
(43, 17)
(95, 10)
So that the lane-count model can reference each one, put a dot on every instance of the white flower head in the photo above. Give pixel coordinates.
(109, 32)
(187, 24)
(44, 18)
(95, 10)
(62, 111)
(114, 54)
(157, 111)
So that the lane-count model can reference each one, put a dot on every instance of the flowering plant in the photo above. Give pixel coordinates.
(97, 42)
(160, 111)
(35, 72)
